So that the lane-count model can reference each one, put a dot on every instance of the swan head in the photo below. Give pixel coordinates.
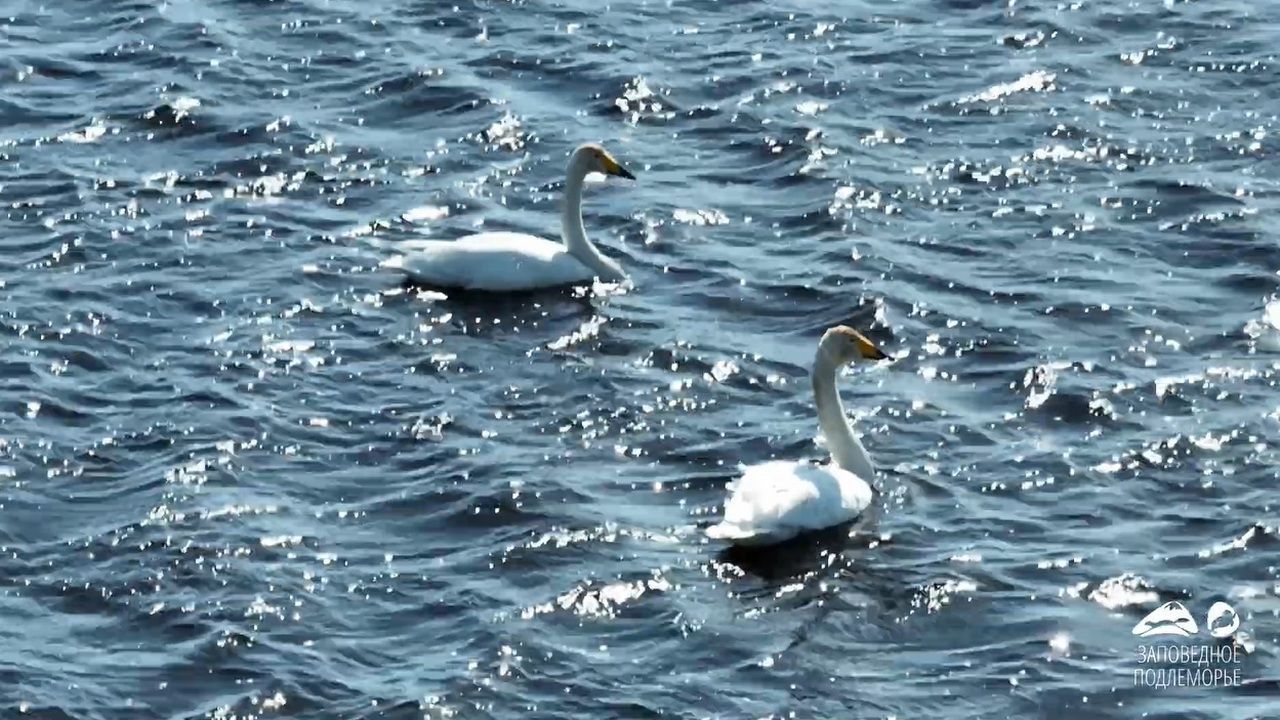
(843, 345)
(592, 157)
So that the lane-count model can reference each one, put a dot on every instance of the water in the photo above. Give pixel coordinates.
(245, 472)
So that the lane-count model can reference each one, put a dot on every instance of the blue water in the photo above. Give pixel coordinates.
(245, 472)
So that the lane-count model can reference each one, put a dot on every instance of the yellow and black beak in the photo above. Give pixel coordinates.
(613, 168)
(869, 349)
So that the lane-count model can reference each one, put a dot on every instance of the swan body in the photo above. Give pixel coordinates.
(777, 500)
(507, 261)
(495, 261)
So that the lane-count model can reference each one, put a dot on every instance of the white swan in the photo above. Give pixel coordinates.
(777, 500)
(508, 261)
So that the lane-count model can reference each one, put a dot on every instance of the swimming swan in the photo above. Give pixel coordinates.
(508, 261)
(777, 500)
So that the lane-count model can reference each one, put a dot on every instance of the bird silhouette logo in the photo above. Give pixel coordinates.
(1222, 620)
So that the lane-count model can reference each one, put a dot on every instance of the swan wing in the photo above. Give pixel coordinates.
(497, 261)
(778, 500)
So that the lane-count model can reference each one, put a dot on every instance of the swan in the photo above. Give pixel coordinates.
(777, 500)
(509, 261)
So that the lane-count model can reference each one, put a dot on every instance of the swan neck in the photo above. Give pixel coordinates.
(574, 235)
(846, 450)
(572, 232)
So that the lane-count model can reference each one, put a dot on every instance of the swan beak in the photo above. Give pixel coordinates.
(614, 168)
(870, 351)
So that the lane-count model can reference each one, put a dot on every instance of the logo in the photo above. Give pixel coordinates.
(1189, 664)
(1172, 618)
(1217, 614)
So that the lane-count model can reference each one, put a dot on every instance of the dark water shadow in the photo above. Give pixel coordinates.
(802, 555)
(482, 310)
(513, 298)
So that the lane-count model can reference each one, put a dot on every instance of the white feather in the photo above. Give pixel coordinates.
(495, 261)
(507, 261)
(778, 500)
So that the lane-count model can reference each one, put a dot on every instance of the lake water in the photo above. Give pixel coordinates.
(247, 473)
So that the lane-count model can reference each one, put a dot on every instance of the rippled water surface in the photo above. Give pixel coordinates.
(247, 473)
